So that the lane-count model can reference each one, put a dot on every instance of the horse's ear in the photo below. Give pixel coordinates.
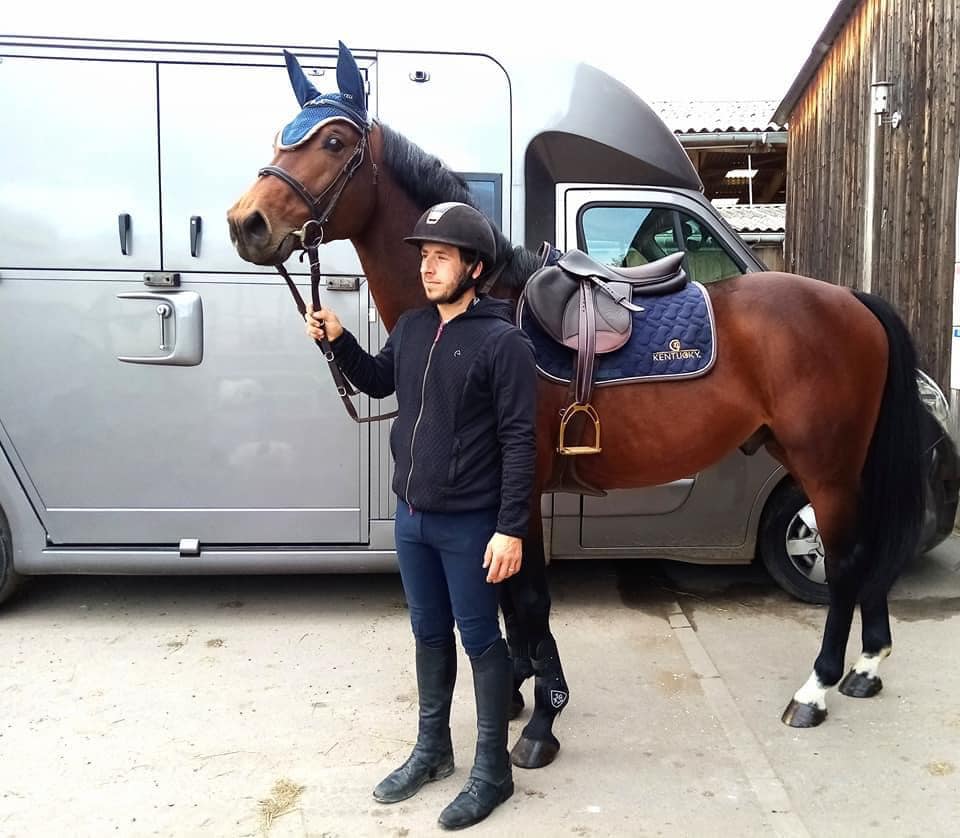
(350, 80)
(302, 87)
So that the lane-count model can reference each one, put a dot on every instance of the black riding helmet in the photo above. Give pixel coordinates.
(459, 225)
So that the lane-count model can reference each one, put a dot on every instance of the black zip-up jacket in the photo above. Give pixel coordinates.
(466, 393)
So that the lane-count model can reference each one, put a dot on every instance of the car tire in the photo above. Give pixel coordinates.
(789, 545)
(9, 579)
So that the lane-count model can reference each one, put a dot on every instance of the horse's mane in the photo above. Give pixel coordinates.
(427, 181)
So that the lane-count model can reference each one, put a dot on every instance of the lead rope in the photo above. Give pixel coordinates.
(344, 389)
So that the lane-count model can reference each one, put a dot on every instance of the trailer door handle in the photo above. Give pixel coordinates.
(123, 223)
(185, 310)
(163, 312)
(196, 228)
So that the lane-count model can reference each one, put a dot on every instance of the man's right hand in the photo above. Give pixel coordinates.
(322, 322)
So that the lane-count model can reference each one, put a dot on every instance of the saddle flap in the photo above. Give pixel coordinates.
(548, 292)
(614, 322)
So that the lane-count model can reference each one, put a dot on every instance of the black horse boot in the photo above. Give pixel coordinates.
(491, 778)
(538, 746)
(432, 757)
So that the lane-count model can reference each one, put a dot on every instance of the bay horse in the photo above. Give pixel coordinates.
(822, 376)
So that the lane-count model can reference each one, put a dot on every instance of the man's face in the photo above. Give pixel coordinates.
(441, 271)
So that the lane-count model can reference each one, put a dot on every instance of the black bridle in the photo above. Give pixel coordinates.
(311, 237)
(337, 185)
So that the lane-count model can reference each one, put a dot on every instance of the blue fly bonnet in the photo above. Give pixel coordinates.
(350, 104)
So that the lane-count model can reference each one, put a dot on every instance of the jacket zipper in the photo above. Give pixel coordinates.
(423, 396)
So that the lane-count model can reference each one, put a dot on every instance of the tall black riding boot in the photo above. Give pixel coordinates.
(432, 757)
(491, 778)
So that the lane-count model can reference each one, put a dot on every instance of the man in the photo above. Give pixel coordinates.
(463, 445)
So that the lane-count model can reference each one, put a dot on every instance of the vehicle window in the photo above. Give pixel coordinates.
(485, 187)
(626, 236)
(707, 259)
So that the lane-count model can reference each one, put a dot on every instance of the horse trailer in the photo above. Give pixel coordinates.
(157, 393)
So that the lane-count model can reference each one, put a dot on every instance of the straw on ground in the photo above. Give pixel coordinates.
(285, 796)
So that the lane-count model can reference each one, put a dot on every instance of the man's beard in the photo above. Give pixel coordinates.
(456, 294)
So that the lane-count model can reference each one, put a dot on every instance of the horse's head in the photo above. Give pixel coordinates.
(319, 158)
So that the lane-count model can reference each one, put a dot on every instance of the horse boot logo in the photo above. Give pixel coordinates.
(558, 698)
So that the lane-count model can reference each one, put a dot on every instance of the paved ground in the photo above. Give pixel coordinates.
(132, 706)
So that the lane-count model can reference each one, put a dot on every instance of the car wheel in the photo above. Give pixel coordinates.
(9, 578)
(789, 545)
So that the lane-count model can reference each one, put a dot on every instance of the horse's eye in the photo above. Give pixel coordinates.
(333, 144)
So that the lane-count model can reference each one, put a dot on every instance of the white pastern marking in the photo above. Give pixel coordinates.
(813, 692)
(869, 664)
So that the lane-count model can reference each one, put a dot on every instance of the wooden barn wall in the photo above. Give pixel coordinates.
(770, 254)
(901, 245)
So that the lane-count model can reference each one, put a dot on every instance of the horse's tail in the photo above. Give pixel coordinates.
(891, 508)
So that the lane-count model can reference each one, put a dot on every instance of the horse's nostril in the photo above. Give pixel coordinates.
(254, 228)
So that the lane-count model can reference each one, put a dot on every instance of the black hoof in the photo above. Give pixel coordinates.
(516, 704)
(802, 715)
(534, 753)
(858, 685)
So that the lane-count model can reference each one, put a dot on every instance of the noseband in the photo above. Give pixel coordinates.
(310, 241)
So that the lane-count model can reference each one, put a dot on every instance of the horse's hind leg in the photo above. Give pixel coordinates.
(863, 681)
(808, 707)
(844, 563)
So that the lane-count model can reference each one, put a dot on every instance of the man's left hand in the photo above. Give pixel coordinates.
(503, 557)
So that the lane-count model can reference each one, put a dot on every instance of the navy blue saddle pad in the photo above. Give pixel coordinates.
(673, 338)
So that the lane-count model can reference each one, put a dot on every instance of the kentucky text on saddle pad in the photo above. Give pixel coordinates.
(672, 338)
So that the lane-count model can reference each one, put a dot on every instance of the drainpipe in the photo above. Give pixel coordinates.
(754, 140)
(955, 338)
(866, 280)
(762, 238)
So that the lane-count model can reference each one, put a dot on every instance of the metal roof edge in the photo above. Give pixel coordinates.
(820, 49)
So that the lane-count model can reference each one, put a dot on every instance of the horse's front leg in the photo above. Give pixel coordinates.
(517, 644)
(530, 596)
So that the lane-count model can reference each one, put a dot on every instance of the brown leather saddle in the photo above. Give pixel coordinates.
(588, 307)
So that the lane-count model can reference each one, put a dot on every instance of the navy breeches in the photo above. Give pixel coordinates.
(441, 564)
